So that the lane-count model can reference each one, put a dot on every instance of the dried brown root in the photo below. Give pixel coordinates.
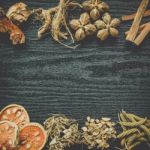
(55, 21)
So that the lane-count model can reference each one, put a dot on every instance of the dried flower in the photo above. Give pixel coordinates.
(136, 130)
(107, 26)
(16, 35)
(18, 13)
(62, 131)
(96, 133)
(95, 8)
(82, 27)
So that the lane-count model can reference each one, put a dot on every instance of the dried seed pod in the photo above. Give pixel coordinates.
(75, 24)
(80, 34)
(87, 5)
(115, 22)
(100, 24)
(89, 29)
(32, 137)
(84, 18)
(15, 113)
(18, 13)
(114, 32)
(95, 14)
(8, 135)
(103, 34)
(107, 18)
(103, 7)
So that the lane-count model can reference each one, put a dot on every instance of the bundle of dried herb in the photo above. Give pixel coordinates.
(18, 13)
(6, 25)
(107, 26)
(55, 21)
(95, 8)
(133, 34)
(97, 133)
(82, 27)
(62, 131)
(136, 130)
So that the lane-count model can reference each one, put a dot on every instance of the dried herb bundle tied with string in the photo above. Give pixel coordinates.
(97, 133)
(136, 130)
(82, 27)
(107, 26)
(95, 8)
(62, 132)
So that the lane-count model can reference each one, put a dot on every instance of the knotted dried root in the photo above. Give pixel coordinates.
(55, 21)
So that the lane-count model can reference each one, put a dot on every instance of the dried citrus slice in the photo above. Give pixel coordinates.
(8, 135)
(32, 137)
(15, 113)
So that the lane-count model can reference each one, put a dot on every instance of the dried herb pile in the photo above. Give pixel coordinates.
(62, 132)
(136, 130)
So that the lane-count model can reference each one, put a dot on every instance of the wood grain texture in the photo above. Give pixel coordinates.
(96, 79)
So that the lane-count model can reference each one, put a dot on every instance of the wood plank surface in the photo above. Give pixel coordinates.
(96, 79)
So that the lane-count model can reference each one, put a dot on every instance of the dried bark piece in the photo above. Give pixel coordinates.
(18, 13)
(132, 16)
(140, 38)
(8, 135)
(16, 114)
(16, 35)
(32, 137)
(137, 20)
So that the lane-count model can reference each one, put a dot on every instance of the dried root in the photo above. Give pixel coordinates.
(55, 21)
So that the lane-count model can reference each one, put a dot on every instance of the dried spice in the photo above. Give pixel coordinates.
(55, 21)
(97, 133)
(136, 130)
(16, 35)
(8, 135)
(15, 113)
(18, 13)
(137, 20)
(62, 131)
(82, 27)
(95, 8)
(32, 137)
(107, 26)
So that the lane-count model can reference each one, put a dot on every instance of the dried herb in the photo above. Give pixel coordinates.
(97, 133)
(18, 13)
(16, 35)
(136, 130)
(55, 21)
(107, 26)
(82, 27)
(62, 131)
(95, 8)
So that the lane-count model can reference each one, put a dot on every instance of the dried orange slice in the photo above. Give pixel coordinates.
(8, 135)
(15, 113)
(32, 137)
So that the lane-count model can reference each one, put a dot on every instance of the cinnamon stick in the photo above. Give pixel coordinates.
(137, 20)
(140, 28)
(142, 35)
(131, 17)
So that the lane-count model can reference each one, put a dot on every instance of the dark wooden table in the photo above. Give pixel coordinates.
(96, 79)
